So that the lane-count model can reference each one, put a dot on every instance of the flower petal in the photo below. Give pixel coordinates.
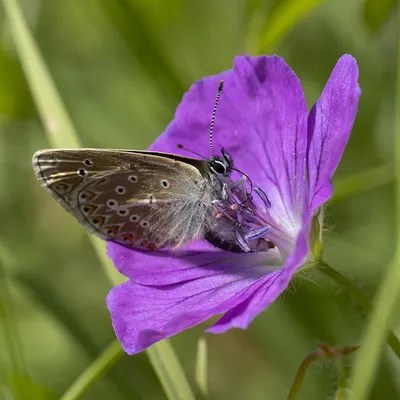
(173, 295)
(198, 260)
(273, 285)
(261, 121)
(329, 126)
(145, 314)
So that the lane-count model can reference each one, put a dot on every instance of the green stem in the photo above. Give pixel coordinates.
(342, 391)
(169, 371)
(97, 369)
(301, 373)
(367, 360)
(361, 299)
(61, 133)
(201, 366)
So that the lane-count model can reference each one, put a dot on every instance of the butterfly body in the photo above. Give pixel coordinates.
(136, 198)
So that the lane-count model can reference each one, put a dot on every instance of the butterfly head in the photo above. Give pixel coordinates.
(221, 166)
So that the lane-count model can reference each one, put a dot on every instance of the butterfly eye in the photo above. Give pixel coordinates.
(218, 167)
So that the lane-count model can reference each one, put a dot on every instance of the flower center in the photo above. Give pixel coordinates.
(254, 228)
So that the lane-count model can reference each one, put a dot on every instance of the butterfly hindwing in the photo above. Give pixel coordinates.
(136, 198)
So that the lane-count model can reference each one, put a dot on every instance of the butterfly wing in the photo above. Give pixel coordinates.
(135, 198)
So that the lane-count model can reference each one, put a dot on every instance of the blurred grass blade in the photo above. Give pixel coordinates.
(201, 366)
(126, 17)
(97, 369)
(62, 134)
(362, 181)
(51, 109)
(282, 19)
(362, 299)
(10, 329)
(367, 360)
(169, 371)
(45, 297)
(23, 387)
(376, 13)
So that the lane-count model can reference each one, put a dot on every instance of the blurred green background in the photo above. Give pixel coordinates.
(121, 67)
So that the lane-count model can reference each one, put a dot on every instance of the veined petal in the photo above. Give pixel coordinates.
(165, 298)
(145, 314)
(270, 288)
(198, 260)
(329, 126)
(261, 121)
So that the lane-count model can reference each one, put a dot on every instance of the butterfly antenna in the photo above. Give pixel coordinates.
(179, 146)
(220, 87)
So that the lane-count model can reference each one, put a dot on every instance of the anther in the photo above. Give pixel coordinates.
(262, 196)
(241, 241)
(257, 233)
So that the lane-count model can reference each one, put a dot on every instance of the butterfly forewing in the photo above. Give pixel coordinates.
(136, 198)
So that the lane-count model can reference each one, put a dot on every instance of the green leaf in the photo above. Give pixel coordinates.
(282, 20)
(127, 17)
(25, 388)
(376, 13)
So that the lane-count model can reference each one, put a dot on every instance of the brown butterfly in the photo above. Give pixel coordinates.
(146, 199)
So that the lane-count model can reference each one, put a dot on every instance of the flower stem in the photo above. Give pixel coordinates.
(367, 361)
(61, 133)
(301, 372)
(201, 366)
(342, 391)
(323, 352)
(101, 365)
(361, 299)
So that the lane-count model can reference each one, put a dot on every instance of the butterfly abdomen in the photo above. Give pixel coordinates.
(222, 244)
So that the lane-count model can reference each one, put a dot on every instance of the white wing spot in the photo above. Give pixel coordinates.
(133, 178)
(120, 190)
(112, 203)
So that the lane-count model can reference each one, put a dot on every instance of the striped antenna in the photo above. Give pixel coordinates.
(220, 87)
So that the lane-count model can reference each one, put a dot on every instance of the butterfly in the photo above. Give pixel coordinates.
(146, 199)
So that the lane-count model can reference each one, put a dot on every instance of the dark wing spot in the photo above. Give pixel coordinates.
(81, 172)
(88, 162)
(165, 183)
(133, 178)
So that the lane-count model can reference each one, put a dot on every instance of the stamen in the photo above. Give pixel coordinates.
(257, 233)
(241, 242)
(221, 210)
(262, 196)
(250, 222)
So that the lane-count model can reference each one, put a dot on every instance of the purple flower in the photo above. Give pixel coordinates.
(263, 122)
